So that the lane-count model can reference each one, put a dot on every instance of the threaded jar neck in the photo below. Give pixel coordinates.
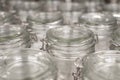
(70, 40)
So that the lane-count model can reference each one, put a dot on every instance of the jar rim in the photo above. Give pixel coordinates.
(96, 18)
(60, 35)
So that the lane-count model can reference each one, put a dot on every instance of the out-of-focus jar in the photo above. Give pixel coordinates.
(65, 43)
(43, 20)
(27, 64)
(71, 10)
(12, 37)
(114, 8)
(102, 65)
(103, 25)
(115, 43)
(94, 5)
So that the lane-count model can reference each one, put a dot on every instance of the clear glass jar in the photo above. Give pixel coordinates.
(65, 43)
(44, 19)
(27, 64)
(71, 10)
(103, 25)
(115, 44)
(12, 37)
(114, 8)
(94, 5)
(102, 65)
(9, 17)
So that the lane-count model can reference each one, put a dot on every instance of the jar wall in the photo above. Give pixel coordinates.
(65, 44)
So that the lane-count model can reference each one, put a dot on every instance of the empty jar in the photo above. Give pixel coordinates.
(102, 65)
(114, 8)
(115, 43)
(12, 37)
(71, 10)
(67, 42)
(103, 25)
(94, 5)
(27, 64)
(43, 20)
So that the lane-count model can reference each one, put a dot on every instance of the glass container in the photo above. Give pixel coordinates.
(94, 5)
(27, 64)
(12, 37)
(103, 25)
(115, 44)
(71, 10)
(44, 19)
(102, 65)
(114, 8)
(65, 43)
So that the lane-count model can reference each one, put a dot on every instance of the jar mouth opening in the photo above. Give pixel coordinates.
(67, 34)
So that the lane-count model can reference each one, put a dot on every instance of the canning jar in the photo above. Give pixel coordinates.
(12, 37)
(71, 10)
(43, 20)
(103, 25)
(115, 44)
(65, 43)
(9, 17)
(114, 8)
(102, 65)
(94, 5)
(27, 64)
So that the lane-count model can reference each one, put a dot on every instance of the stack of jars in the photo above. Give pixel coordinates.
(103, 25)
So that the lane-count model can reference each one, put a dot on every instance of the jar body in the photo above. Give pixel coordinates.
(19, 65)
(64, 47)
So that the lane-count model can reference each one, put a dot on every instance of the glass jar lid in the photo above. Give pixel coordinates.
(95, 18)
(69, 35)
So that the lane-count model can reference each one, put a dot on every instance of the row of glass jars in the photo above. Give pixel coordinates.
(63, 43)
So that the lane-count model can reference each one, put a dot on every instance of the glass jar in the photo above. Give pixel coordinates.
(27, 64)
(103, 25)
(115, 44)
(71, 10)
(9, 17)
(65, 43)
(44, 19)
(94, 5)
(102, 65)
(114, 8)
(12, 37)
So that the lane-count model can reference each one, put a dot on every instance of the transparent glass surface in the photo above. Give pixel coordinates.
(94, 5)
(65, 44)
(47, 17)
(102, 24)
(71, 10)
(115, 44)
(12, 37)
(103, 65)
(27, 64)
